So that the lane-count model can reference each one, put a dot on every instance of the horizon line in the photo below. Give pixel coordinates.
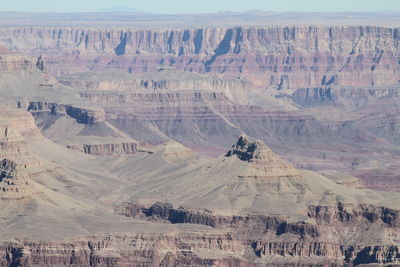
(142, 12)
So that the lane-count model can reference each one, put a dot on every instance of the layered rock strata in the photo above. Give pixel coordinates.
(14, 176)
(190, 249)
(111, 149)
(263, 163)
(193, 117)
(18, 120)
(14, 62)
(81, 114)
(285, 57)
(248, 207)
(17, 163)
(159, 79)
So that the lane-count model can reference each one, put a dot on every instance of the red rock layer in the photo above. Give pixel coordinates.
(286, 57)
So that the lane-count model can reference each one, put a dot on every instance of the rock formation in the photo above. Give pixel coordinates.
(18, 164)
(15, 62)
(20, 121)
(14, 177)
(263, 162)
(111, 149)
(82, 115)
(285, 57)
(162, 78)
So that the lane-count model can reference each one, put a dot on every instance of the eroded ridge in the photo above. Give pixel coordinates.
(263, 162)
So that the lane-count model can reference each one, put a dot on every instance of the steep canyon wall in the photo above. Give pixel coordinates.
(285, 57)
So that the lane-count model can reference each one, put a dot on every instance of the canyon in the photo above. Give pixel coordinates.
(283, 57)
(160, 144)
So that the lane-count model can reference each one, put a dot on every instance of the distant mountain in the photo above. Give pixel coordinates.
(120, 9)
(253, 11)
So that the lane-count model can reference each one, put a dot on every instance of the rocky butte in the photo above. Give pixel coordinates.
(153, 142)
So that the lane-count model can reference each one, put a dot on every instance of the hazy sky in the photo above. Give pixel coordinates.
(200, 6)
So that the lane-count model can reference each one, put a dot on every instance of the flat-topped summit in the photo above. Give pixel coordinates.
(263, 162)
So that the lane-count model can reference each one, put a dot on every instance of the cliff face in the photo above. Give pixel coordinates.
(191, 249)
(272, 241)
(17, 164)
(129, 250)
(14, 176)
(173, 82)
(13, 62)
(285, 57)
(273, 235)
(110, 149)
(80, 114)
(19, 120)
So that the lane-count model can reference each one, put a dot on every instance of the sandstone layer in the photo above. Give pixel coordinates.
(285, 57)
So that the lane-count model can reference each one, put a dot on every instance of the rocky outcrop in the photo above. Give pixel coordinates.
(17, 163)
(256, 223)
(14, 161)
(285, 57)
(86, 116)
(263, 163)
(81, 114)
(345, 214)
(111, 149)
(19, 120)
